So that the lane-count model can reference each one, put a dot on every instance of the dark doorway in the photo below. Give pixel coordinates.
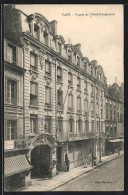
(40, 160)
(59, 153)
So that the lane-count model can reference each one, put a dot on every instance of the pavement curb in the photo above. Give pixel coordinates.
(86, 172)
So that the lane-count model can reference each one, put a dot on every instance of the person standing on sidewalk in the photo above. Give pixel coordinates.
(68, 163)
(85, 163)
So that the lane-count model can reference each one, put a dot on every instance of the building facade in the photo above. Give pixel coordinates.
(62, 99)
(114, 123)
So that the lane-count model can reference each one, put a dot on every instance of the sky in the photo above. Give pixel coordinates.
(98, 28)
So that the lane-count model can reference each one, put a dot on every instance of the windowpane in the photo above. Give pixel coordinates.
(11, 91)
(11, 132)
(11, 53)
(33, 124)
(48, 68)
(47, 97)
(33, 60)
(69, 78)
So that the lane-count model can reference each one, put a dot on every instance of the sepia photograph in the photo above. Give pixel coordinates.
(63, 97)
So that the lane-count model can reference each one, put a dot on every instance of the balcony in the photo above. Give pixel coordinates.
(80, 136)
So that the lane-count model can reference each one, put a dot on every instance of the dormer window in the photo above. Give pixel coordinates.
(78, 61)
(91, 71)
(69, 56)
(59, 48)
(36, 31)
(11, 53)
(85, 67)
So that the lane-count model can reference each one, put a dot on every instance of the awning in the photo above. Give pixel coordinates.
(115, 140)
(16, 164)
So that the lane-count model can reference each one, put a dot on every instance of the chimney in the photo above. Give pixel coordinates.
(53, 25)
(78, 47)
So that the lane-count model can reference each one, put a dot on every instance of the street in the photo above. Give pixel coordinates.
(109, 177)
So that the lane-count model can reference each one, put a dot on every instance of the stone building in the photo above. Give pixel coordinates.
(63, 104)
(114, 123)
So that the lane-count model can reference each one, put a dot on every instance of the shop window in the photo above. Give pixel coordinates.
(59, 73)
(47, 68)
(60, 124)
(11, 92)
(11, 130)
(48, 124)
(33, 94)
(70, 103)
(11, 53)
(47, 97)
(71, 125)
(60, 99)
(33, 124)
(33, 61)
(70, 80)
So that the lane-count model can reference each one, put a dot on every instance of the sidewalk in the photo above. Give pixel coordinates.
(64, 177)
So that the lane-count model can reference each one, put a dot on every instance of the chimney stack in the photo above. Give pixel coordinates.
(78, 47)
(53, 25)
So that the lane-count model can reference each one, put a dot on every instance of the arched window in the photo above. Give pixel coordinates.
(71, 125)
(59, 73)
(79, 125)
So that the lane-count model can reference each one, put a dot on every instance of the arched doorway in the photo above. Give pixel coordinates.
(40, 160)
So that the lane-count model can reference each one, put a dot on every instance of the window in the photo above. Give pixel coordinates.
(101, 126)
(86, 126)
(45, 36)
(33, 124)
(97, 92)
(78, 83)
(78, 61)
(60, 124)
(11, 92)
(11, 53)
(110, 115)
(69, 56)
(85, 67)
(97, 109)
(70, 79)
(86, 89)
(11, 131)
(59, 47)
(36, 31)
(59, 73)
(33, 94)
(85, 106)
(48, 68)
(106, 114)
(79, 125)
(47, 97)
(92, 126)
(114, 115)
(92, 90)
(101, 113)
(71, 125)
(106, 104)
(92, 108)
(91, 71)
(60, 99)
(33, 61)
(78, 104)
(48, 124)
(70, 102)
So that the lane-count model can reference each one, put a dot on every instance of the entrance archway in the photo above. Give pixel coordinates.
(40, 160)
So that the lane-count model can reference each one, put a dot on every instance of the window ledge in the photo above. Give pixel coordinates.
(35, 71)
(47, 77)
(13, 106)
(70, 86)
(78, 90)
(50, 109)
(59, 82)
(70, 112)
(31, 106)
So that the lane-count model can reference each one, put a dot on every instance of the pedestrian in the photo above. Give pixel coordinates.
(68, 163)
(85, 162)
(50, 171)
